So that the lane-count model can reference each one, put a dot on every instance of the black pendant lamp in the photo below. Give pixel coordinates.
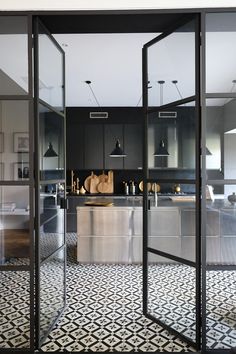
(161, 151)
(117, 152)
(208, 151)
(50, 151)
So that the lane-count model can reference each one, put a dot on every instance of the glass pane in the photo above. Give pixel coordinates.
(14, 140)
(14, 225)
(15, 310)
(220, 62)
(51, 139)
(221, 225)
(14, 44)
(221, 309)
(171, 294)
(52, 298)
(172, 59)
(171, 142)
(51, 85)
(52, 221)
(171, 219)
(221, 138)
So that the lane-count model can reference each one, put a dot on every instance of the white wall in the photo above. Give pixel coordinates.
(110, 4)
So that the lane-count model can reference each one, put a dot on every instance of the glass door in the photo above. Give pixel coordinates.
(50, 180)
(171, 220)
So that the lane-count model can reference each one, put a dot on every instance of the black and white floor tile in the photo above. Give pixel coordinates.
(104, 308)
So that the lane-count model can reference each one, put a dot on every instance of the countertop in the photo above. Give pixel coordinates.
(162, 201)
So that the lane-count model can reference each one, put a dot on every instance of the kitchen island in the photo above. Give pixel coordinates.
(113, 234)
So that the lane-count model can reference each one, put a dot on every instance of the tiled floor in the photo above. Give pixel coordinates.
(104, 308)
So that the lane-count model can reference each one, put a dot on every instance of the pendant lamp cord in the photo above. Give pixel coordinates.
(88, 82)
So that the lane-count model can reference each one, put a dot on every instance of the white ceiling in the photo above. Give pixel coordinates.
(113, 63)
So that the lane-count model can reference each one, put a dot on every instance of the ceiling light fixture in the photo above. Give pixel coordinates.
(117, 151)
(50, 151)
(161, 150)
(208, 153)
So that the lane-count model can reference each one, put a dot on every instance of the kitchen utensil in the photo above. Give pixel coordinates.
(156, 187)
(91, 183)
(110, 182)
(149, 186)
(103, 187)
(103, 177)
(106, 204)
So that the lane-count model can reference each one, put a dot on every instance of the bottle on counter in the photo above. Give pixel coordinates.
(126, 188)
(132, 188)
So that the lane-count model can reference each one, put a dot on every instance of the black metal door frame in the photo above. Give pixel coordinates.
(37, 101)
(197, 181)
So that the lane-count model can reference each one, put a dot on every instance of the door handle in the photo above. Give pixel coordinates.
(64, 203)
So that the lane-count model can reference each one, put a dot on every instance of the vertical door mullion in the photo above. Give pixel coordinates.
(198, 182)
(145, 177)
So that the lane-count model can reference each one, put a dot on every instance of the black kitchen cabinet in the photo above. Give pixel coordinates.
(93, 147)
(112, 132)
(75, 146)
(133, 137)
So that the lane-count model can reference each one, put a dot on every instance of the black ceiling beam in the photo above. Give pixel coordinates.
(110, 23)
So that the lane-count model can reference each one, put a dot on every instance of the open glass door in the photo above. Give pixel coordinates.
(50, 180)
(171, 220)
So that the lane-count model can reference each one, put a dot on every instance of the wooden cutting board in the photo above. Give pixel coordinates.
(91, 183)
(103, 187)
(103, 177)
(110, 182)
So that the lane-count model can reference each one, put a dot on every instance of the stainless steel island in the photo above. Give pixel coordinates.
(114, 234)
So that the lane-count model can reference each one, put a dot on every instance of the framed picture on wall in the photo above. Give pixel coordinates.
(21, 142)
(21, 171)
(1, 142)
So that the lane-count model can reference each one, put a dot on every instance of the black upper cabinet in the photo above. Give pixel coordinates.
(112, 132)
(75, 146)
(133, 146)
(93, 147)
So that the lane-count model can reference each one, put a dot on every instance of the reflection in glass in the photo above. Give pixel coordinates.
(176, 128)
(52, 297)
(14, 225)
(221, 138)
(172, 59)
(14, 141)
(171, 294)
(51, 126)
(171, 219)
(51, 219)
(50, 81)
(14, 44)
(221, 226)
(15, 310)
(220, 53)
(221, 309)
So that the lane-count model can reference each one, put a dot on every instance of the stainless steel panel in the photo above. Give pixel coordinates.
(164, 221)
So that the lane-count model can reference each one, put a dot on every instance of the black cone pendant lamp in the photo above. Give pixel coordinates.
(50, 151)
(161, 151)
(117, 152)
